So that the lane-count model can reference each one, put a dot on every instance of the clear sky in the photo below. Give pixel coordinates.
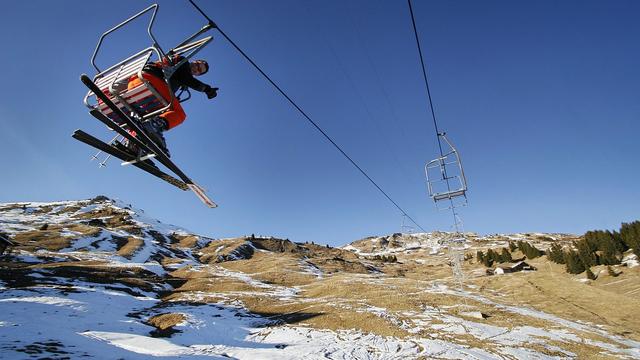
(542, 99)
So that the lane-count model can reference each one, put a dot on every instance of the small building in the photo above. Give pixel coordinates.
(5, 243)
(511, 268)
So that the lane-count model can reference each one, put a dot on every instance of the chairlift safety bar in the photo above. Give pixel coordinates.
(153, 7)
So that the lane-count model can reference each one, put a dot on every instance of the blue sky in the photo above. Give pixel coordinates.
(541, 99)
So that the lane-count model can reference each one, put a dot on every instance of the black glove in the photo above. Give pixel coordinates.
(211, 92)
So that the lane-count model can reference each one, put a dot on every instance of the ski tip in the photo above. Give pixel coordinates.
(85, 79)
(202, 195)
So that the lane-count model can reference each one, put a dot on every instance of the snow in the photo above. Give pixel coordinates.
(351, 248)
(105, 324)
(77, 319)
(48, 300)
(623, 346)
(138, 343)
(310, 268)
(631, 260)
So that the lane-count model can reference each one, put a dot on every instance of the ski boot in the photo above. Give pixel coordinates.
(154, 128)
(130, 146)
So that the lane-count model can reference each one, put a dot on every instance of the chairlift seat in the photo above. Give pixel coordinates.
(143, 100)
(445, 176)
(449, 194)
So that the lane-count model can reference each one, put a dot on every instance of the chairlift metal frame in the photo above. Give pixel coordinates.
(439, 174)
(117, 75)
(405, 228)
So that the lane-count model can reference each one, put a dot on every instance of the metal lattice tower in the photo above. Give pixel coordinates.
(447, 186)
(405, 227)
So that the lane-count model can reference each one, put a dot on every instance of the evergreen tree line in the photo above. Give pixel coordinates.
(598, 247)
(530, 251)
(504, 255)
(385, 258)
(492, 257)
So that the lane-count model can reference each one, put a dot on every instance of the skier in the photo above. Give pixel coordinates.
(182, 77)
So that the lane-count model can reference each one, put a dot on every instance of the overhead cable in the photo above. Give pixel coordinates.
(308, 118)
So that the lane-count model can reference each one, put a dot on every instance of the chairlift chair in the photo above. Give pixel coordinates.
(124, 109)
(445, 177)
(142, 102)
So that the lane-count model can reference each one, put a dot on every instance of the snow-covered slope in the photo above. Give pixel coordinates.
(98, 278)
(435, 242)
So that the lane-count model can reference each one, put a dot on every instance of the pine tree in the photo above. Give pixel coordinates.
(521, 246)
(487, 261)
(534, 252)
(490, 255)
(573, 263)
(605, 241)
(609, 256)
(480, 256)
(495, 257)
(592, 239)
(512, 246)
(630, 234)
(530, 251)
(555, 254)
(586, 252)
(618, 244)
(506, 255)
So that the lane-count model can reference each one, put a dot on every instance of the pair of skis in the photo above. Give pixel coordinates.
(142, 141)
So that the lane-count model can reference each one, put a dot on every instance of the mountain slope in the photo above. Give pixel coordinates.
(127, 286)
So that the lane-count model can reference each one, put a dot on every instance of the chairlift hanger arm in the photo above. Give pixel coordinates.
(190, 38)
(187, 44)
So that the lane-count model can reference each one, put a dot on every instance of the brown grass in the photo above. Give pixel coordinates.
(85, 230)
(346, 293)
(283, 269)
(166, 321)
(132, 245)
(188, 241)
(217, 251)
(552, 290)
(50, 239)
